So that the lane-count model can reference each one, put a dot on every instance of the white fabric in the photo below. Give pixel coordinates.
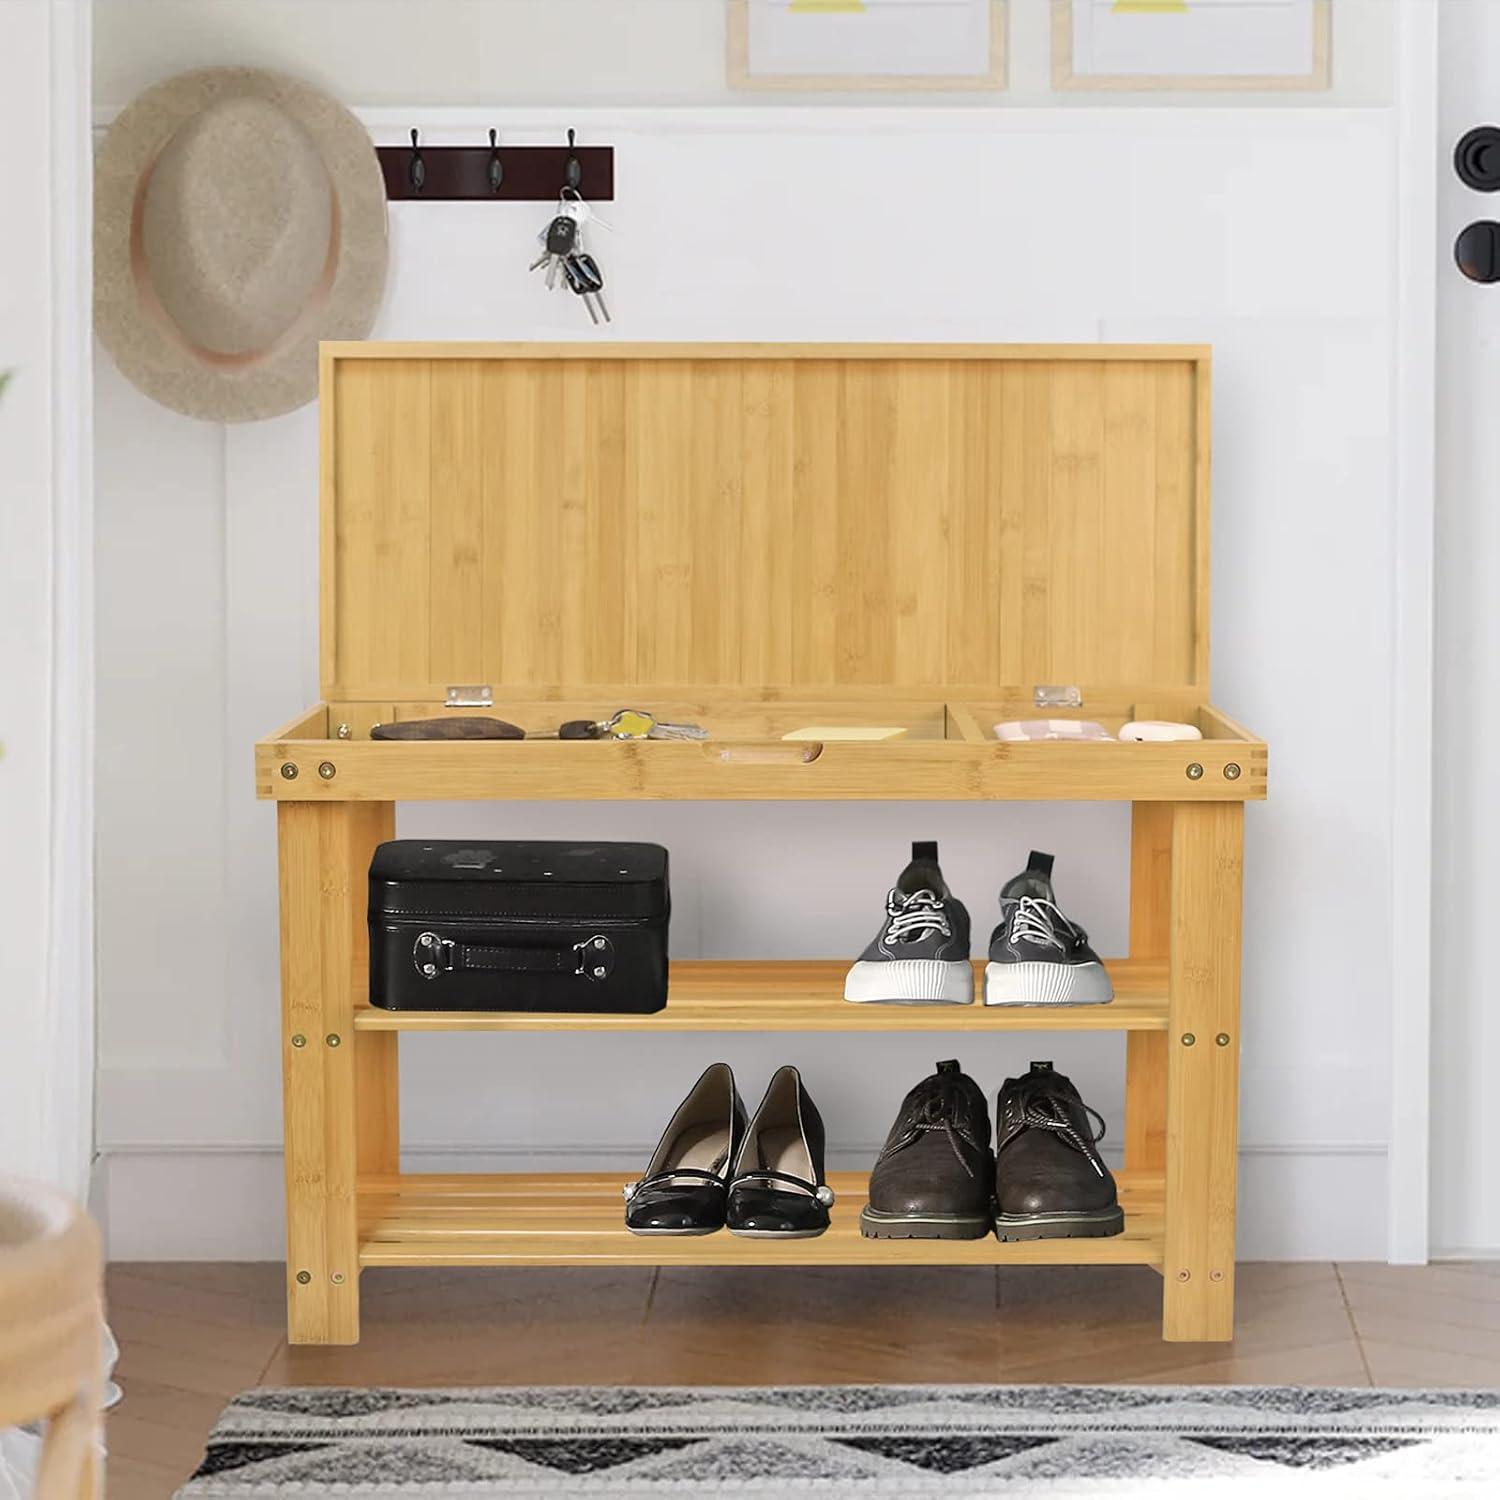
(18, 1458)
(20, 1448)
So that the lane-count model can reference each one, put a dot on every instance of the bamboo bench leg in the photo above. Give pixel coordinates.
(325, 858)
(1203, 1043)
(1150, 936)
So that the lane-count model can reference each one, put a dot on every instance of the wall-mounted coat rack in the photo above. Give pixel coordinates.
(514, 174)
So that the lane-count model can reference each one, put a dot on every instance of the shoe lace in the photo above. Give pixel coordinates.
(1044, 1107)
(941, 1104)
(1037, 920)
(915, 916)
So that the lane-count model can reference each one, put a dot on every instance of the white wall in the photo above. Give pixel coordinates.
(1214, 225)
(498, 54)
(46, 999)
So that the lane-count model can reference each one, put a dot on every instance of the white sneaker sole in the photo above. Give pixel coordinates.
(910, 981)
(1047, 984)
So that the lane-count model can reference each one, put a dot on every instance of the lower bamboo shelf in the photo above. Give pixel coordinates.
(773, 995)
(578, 1219)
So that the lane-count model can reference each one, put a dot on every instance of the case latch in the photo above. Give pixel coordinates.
(596, 957)
(470, 695)
(432, 955)
(1055, 695)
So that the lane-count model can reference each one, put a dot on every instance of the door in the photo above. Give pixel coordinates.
(1465, 1108)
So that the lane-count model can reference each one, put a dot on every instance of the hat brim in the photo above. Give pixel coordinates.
(148, 350)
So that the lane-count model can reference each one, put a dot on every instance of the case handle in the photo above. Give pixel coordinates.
(593, 957)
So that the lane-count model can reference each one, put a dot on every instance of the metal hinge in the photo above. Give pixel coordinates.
(1056, 696)
(470, 695)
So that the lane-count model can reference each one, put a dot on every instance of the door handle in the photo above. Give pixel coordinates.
(1477, 251)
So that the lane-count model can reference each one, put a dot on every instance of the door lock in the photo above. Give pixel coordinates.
(1476, 159)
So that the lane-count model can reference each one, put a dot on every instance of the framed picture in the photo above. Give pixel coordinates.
(1190, 44)
(867, 44)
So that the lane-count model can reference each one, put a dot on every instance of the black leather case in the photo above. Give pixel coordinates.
(518, 925)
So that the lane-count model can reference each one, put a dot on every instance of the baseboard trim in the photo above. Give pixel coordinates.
(629, 1152)
(1317, 1201)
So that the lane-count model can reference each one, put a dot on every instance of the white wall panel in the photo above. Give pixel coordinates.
(46, 597)
(526, 52)
(159, 530)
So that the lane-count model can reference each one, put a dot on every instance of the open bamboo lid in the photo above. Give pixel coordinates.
(763, 516)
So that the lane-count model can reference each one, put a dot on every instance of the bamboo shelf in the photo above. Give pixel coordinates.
(758, 538)
(576, 1219)
(772, 995)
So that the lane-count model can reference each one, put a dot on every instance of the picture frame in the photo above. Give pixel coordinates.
(760, 39)
(1086, 57)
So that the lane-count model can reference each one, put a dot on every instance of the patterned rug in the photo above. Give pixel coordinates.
(837, 1441)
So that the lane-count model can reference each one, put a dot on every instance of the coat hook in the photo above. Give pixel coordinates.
(573, 171)
(497, 167)
(418, 168)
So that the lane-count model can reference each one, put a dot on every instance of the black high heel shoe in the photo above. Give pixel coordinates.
(778, 1189)
(686, 1184)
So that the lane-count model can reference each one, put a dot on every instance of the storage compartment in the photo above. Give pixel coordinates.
(947, 752)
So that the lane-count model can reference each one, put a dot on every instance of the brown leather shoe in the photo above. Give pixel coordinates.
(1050, 1182)
(932, 1179)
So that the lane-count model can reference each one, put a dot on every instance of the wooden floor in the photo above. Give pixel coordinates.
(191, 1336)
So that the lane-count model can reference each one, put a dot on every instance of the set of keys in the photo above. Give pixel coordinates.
(627, 724)
(563, 255)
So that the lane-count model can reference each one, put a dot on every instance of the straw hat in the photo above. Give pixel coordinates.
(239, 217)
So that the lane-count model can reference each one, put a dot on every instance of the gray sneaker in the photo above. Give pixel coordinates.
(1039, 956)
(921, 954)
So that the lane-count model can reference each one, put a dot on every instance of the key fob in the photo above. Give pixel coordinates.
(587, 269)
(562, 235)
(579, 729)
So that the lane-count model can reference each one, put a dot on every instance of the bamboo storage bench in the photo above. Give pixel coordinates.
(759, 537)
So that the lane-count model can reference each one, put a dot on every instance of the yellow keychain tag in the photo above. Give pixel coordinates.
(631, 724)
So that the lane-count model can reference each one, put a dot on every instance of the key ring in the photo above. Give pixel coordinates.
(629, 724)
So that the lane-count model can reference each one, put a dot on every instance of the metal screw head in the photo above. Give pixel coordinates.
(299, 1040)
(288, 770)
(303, 1277)
(600, 973)
(1184, 1275)
(333, 1039)
(598, 942)
(1232, 771)
(1188, 1039)
(1194, 771)
(344, 731)
(327, 770)
(337, 1278)
(429, 970)
(1216, 1276)
(1222, 1039)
